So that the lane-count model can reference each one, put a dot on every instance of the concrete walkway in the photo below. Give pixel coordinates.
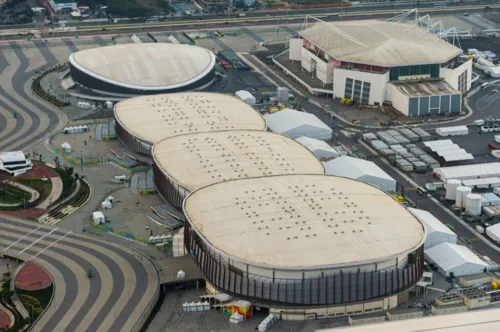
(34, 193)
(57, 188)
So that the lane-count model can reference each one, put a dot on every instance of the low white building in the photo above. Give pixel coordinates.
(454, 260)
(361, 170)
(246, 96)
(494, 232)
(14, 163)
(436, 231)
(295, 124)
(320, 149)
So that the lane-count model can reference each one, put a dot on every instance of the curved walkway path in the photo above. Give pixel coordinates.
(117, 298)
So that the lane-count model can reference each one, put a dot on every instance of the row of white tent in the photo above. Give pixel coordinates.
(449, 151)
(76, 129)
(452, 131)
(196, 306)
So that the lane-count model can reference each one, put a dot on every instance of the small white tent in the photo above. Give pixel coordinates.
(106, 204)
(66, 147)
(436, 231)
(98, 217)
(362, 170)
(320, 149)
(452, 259)
(295, 124)
(246, 96)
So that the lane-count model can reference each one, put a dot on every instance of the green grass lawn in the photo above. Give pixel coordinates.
(12, 195)
(43, 187)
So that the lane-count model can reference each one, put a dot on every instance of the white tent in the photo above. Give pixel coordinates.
(246, 96)
(361, 170)
(295, 124)
(98, 217)
(454, 259)
(494, 232)
(436, 231)
(66, 147)
(320, 149)
(106, 204)
(236, 318)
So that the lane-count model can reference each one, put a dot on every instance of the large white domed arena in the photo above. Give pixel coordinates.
(145, 120)
(142, 69)
(295, 242)
(183, 164)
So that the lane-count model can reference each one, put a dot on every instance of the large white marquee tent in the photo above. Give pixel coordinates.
(361, 170)
(452, 259)
(295, 124)
(436, 231)
(321, 149)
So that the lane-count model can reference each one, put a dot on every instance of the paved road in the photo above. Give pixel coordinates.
(123, 285)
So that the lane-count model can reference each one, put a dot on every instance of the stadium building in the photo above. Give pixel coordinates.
(379, 63)
(143, 121)
(123, 71)
(305, 246)
(186, 163)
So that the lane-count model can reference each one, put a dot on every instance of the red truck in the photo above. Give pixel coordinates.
(494, 146)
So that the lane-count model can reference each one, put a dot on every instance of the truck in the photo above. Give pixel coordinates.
(242, 15)
(122, 178)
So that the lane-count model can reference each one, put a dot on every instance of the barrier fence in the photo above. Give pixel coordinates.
(118, 233)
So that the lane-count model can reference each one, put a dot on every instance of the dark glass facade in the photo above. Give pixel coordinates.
(95, 83)
(338, 289)
(397, 72)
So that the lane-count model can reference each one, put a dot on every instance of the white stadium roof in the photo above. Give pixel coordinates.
(303, 221)
(295, 124)
(362, 170)
(379, 43)
(196, 160)
(436, 231)
(472, 321)
(456, 259)
(153, 118)
(320, 149)
(145, 66)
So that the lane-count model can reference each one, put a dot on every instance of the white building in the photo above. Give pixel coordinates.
(436, 231)
(320, 149)
(246, 96)
(372, 62)
(452, 259)
(494, 232)
(362, 170)
(14, 163)
(295, 124)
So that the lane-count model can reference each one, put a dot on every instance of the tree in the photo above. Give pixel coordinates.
(56, 162)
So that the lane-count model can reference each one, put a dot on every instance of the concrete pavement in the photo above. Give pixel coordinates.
(122, 289)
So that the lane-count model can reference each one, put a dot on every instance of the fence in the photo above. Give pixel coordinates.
(118, 233)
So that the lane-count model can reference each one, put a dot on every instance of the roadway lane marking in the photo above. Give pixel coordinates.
(50, 245)
(22, 238)
(52, 231)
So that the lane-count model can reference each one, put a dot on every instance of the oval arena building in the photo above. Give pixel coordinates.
(142, 69)
(305, 246)
(143, 121)
(186, 163)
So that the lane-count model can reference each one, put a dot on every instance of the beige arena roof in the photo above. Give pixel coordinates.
(303, 221)
(379, 43)
(153, 118)
(145, 65)
(196, 160)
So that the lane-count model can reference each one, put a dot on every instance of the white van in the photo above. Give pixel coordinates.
(120, 178)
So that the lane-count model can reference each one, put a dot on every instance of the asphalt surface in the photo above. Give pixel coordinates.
(122, 286)
(422, 202)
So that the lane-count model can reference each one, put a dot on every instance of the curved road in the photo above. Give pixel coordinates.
(123, 286)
